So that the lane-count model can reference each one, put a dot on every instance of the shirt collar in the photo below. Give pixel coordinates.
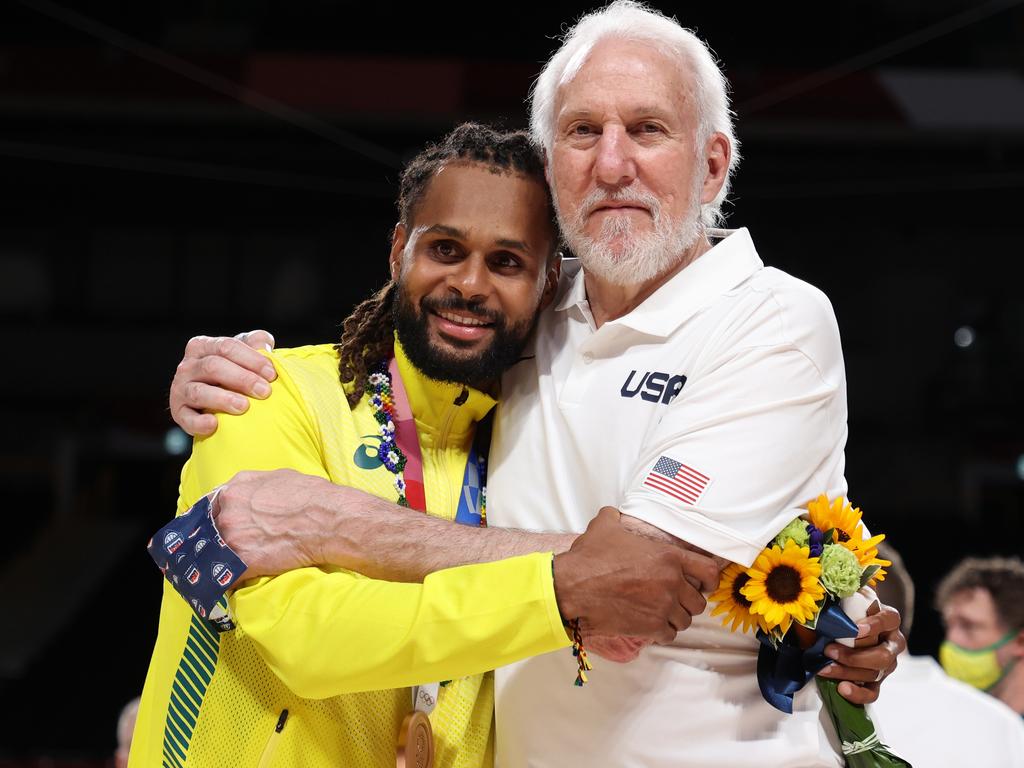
(432, 401)
(575, 291)
(731, 261)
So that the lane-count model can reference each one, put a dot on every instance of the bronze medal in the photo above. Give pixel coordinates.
(415, 742)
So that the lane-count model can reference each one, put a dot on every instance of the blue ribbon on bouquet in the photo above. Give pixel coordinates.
(784, 669)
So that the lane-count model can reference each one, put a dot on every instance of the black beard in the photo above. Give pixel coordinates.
(475, 370)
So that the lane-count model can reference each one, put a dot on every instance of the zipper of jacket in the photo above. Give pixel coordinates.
(442, 444)
(268, 750)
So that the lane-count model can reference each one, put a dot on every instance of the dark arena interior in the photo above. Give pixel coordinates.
(212, 166)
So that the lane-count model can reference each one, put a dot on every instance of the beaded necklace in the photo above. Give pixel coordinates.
(382, 404)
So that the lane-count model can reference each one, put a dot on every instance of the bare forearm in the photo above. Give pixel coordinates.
(611, 581)
(385, 541)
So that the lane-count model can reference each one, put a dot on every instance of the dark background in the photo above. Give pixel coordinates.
(173, 168)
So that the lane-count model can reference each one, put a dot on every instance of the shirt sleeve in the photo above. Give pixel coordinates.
(324, 631)
(326, 634)
(755, 435)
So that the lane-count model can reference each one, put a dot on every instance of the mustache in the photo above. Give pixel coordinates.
(454, 303)
(626, 195)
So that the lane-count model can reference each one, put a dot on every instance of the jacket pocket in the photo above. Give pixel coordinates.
(268, 751)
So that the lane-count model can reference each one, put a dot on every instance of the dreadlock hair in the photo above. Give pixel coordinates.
(367, 335)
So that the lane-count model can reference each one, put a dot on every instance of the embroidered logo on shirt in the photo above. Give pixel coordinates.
(653, 386)
(675, 479)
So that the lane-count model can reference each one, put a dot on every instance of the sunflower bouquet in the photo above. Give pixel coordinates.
(797, 597)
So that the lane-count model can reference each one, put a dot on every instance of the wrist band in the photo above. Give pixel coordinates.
(572, 626)
(582, 660)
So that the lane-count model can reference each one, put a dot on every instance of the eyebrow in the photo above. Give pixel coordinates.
(444, 229)
(640, 110)
(516, 244)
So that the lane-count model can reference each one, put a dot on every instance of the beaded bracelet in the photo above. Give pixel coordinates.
(572, 626)
(582, 660)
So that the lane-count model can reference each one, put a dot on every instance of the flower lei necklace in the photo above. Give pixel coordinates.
(382, 403)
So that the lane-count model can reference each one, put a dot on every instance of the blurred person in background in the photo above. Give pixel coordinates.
(929, 718)
(125, 728)
(982, 605)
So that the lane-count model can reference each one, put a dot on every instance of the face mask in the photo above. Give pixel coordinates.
(979, 668)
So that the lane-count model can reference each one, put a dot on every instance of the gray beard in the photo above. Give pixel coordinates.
(635, 258)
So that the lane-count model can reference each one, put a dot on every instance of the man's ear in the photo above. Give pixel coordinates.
(399, 237)
(1018, 645)
(551, 280)
(717, 152)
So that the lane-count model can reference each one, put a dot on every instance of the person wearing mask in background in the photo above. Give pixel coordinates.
(928, 717)
(982, 605)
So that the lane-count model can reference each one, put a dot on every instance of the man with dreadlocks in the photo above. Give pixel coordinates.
(392, 409)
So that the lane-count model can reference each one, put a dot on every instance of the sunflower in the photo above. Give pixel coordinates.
(784, 586)
(844, 520)
(731, 601)
(840, 516)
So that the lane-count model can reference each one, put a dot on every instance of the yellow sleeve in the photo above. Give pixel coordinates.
(276, 433)
(330, 632)
(326, 634)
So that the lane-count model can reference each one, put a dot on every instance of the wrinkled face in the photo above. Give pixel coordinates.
(972, 621)
(473, 272)
(627, 175)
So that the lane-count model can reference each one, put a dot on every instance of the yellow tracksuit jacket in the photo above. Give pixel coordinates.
(331, 646)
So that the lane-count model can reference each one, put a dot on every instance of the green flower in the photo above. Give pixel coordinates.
(795, 531)
(840, 571)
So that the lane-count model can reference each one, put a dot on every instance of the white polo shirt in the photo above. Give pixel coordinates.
(713, 411)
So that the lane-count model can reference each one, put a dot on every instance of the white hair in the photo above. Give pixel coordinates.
(630, 20)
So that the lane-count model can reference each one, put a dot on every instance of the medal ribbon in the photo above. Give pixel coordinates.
(408, 441)
(416, 735)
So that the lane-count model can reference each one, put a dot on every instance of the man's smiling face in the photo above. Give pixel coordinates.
(473, 272)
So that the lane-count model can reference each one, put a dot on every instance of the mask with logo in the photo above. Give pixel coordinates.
(979, 668)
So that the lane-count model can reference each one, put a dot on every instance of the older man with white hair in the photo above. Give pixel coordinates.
(675, 377)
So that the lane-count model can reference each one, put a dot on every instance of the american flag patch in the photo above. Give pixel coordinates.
(677, 480)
